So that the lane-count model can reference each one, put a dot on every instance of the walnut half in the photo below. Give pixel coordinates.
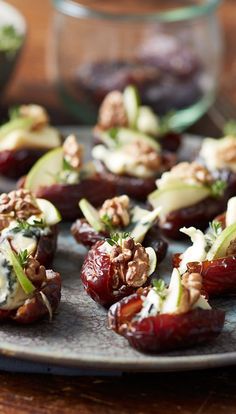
(37, 113)
(73, 152)
(117, 210)
(131, 263)
(112, 112)
(35, 272)
(19, 204)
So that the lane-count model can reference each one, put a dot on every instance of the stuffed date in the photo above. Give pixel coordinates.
(158, 319)
(60, 177)
(24, 139)
(117, 215)
(29, 224)
(213, 254)
(126, 150)
(28, 292)
(188, 194)
(116, 267)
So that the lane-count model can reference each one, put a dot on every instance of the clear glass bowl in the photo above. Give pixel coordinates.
(171, 50)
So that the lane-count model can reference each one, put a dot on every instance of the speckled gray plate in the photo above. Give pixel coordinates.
(78, 335)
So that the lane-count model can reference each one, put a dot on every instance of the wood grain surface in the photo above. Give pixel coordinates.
(203, 392)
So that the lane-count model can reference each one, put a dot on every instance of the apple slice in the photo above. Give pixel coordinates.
(174, 293)
(91, 215)
(19, 138)
(131, 103)
(143, 225)
(177, 196)
(125, 136)
(50, 213)
(221, 244)
(152, 260)
(17, 123)
(25, 283)
(45, 170)
(147, 121)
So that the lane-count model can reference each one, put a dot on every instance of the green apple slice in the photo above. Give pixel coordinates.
(127, 136)
(177, 196)
(45, 171)
(131, 103)
(221, 244)
(174, 293)
(91, 215)
(48, 138)
(25, 283)
(152, 260)
(202, 303)
(50, 213)
(147, 121)
(17, 123)
(144, 224)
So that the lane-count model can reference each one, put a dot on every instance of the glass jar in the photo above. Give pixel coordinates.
(170, 50)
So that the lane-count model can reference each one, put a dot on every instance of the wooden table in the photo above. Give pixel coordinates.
(203, 392)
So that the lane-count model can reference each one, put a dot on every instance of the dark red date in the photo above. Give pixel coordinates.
(219, 276)
(15, 163)
(98, 278)
(35, 308)
(137, 188)
(67, 196)
(166, 331)
(46, 247)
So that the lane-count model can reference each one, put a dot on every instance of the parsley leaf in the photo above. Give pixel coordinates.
(22, 257)
(115, 239)
(218, 188)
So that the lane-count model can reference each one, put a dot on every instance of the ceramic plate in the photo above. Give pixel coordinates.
(78, 335)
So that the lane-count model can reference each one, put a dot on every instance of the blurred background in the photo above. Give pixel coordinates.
(61, 65)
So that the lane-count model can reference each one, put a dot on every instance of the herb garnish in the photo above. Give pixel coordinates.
(22, 257)
(218, 188)
(28, 228)
(159, 287)
(215, 229)
(107, 221)
(115, 239)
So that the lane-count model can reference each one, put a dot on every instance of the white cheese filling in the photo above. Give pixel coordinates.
(212, 152)
(120, 162)
(11, 293)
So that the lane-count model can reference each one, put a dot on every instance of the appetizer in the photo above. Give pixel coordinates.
(188, 194)
(116, 267)
(127, 151)
(213, 254)
(156, 319)
(28, 291)
(118, 215)
(24, 139)
(29, 224)
(61, 177)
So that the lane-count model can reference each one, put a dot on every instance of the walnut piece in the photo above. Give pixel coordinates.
(37, 113)
(19, 204)
(192, 172)
(192, 283)
(35, 272)
(112, 112)
(131, 263)
(117, 210)
(231, 249)
(73, 152)
(144, 154)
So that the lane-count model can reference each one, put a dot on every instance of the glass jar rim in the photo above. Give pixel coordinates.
(78, 10)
